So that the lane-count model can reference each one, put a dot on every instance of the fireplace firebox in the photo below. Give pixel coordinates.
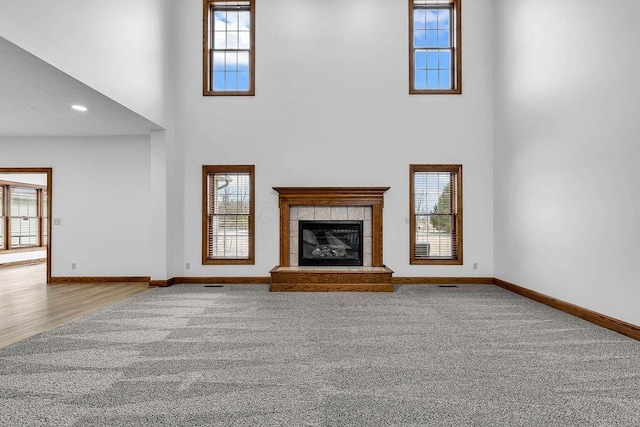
(330, 243)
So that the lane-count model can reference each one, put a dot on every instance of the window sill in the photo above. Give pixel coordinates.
(18, 250)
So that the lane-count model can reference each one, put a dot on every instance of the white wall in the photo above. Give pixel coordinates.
(118, 47)
(101, 193)
(332, 109)
(566, 155)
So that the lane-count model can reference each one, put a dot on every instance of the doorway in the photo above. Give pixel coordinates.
(26, 200)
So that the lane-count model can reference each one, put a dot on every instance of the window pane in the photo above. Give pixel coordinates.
(1, 232)
(218, 61)
(231, 61)
(419, 19)
(24, 232)
(232, 40)
(432, 59)
(23, 201)
(243, 61)
(219, 40)
(421, 60)
(443, 19)
(231, 81)
(419, 38)
(443, 38)
(232, 21)
(431, 19)
(445, 79)
(243, 80)
(219, 21)
(432, 79)
(444, 59)
(218, 80)
(432, 38)
(244, 21)
(244, 40)
(420, 79)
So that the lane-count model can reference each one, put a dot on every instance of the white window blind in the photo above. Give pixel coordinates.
(2, 218)
(229, 209)
(23, 221)
(436, 213)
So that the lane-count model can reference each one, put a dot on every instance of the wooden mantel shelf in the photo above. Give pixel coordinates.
(331, 195)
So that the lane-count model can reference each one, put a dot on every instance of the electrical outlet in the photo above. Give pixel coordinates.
(475, 265)
(73, 265)
(57, 221)
(187, 266)
(406, 220)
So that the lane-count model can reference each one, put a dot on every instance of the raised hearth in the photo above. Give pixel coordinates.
(331, 279)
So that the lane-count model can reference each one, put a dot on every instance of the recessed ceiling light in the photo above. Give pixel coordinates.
(79, 107)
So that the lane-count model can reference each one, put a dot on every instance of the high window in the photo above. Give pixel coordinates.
(435, 54)
(436, 214)
(228, 223)
(229, 53)
(23, 213)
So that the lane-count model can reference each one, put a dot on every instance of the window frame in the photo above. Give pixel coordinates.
(218, 169)
(456, 47)
(458, 259)
(207, 81)
(5, 217)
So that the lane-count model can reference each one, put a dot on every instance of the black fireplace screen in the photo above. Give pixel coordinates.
(330, 243)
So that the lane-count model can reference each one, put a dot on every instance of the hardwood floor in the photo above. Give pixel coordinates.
(28, 306)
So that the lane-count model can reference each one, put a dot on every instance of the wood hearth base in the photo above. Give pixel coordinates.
(331, 279)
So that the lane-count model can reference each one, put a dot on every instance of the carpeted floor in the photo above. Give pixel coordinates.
(241, 356)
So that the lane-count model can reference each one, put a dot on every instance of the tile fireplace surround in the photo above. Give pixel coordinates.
(331, 203)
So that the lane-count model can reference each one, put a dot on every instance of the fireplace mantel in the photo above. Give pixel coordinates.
(332, 196)
(374, 278)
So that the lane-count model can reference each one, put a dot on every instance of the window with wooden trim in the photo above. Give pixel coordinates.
(228, 51)
(228, 221)
(436, 214)
(435, 47)
(23, 212)
(2, 218)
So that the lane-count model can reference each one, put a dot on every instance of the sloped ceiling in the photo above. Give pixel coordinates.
(36, 99)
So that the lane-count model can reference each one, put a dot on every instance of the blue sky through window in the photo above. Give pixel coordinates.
(231, 45)
(432, 46)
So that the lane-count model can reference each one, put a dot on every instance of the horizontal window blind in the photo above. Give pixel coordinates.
(228, 211)
(435, 216)
(23, 222)
(2, 217)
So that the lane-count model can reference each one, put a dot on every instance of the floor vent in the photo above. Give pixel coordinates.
(213, 286)
(447, 286)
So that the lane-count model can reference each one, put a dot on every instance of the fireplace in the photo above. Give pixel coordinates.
(330, 243)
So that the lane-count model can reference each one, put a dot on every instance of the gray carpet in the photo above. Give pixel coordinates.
(241, 356)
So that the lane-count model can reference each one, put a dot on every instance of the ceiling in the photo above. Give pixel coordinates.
(36, 99)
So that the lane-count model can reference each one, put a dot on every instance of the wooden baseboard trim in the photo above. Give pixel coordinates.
(443, 280)
(23, 263)
(223, 280)
(99, 279)
(162, 283)
(624, 328)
